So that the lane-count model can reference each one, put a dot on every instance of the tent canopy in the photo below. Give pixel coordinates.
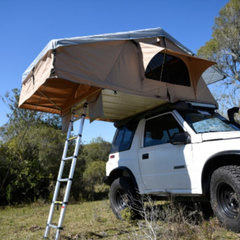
(118, 74)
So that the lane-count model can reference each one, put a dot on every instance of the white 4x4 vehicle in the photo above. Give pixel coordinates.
(184, 149)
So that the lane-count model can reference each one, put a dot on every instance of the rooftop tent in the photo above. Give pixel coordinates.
(118, 74)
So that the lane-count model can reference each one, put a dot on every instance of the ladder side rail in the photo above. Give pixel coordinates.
(68, 136)
(57, 186)
(79, 139)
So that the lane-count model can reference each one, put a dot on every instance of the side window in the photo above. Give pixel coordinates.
(159, 130)
(123, 138)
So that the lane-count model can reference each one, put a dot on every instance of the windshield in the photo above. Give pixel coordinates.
(204, 121)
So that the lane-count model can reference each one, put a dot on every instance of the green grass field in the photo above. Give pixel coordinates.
(95, 220)
(89, 220)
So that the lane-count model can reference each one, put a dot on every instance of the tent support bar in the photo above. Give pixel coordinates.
(50, 100)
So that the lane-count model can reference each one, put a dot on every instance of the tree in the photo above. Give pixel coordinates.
(19, 119)
(93, 175)
(97, 149)
(31, 145)
(95, 155)
(224, 48)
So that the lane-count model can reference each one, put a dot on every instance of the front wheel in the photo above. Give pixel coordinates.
(225, 196)
(122, 195)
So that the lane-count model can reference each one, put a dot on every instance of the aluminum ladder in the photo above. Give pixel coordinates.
(68, 180)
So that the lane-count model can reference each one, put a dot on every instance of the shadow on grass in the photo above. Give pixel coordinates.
(194, 212)
(110, 233)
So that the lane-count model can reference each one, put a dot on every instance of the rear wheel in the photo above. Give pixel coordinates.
(225, 196)
(122, 195)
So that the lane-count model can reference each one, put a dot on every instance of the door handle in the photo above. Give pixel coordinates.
(145, 156)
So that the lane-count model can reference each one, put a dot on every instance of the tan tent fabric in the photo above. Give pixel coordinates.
(195, 65)
(108, 72)
(95, 106)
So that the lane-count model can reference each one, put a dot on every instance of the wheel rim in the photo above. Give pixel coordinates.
(121, 199)
(228, 200)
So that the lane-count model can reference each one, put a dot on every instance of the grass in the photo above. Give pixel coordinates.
(95, 220)
(88, 220)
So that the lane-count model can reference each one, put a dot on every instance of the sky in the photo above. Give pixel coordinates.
(26, 26)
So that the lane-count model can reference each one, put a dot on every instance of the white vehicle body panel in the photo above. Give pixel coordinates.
(167, 168)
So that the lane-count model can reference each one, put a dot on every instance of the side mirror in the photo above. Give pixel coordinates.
(180, 138)
(231, 113)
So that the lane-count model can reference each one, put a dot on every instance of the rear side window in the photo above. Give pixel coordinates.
(123, 138)
(159, 130)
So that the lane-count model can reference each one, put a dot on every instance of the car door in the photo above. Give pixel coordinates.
(164, 166)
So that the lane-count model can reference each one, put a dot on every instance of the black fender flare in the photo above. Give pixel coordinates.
(215, 161)
(120, 172)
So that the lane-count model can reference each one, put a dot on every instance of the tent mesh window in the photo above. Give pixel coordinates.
(167, 68)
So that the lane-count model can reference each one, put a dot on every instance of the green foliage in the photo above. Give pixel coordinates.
(97, 150)
(31, 165)
(96, 155)
(29, 146)
(93, 174)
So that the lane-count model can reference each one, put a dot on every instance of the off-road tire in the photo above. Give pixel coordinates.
(225, 196)
(123, 195)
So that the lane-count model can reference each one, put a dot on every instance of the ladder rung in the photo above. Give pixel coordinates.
(72, 138)
(68, 158)
(64, 179)
(53, 226)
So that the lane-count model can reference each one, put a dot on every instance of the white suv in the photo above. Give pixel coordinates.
(184, 149)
